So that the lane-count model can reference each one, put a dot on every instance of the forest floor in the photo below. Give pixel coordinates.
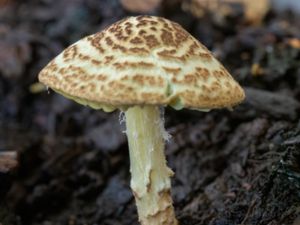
(231, 167)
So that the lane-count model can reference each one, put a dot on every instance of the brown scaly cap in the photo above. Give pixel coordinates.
(142, 60)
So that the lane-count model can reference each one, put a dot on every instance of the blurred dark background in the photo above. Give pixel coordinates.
(62, 163)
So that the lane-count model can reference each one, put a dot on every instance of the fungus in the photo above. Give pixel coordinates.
(138, 65)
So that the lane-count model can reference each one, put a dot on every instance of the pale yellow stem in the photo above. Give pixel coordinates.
(150, 176)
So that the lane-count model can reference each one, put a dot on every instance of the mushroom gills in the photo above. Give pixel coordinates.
(176, 103)
(92, 104)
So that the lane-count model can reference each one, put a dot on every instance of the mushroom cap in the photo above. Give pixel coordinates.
(143, 60)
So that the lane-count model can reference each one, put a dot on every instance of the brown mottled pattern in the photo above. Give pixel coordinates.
(142, 60)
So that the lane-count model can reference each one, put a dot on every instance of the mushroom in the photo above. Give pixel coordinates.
(139, 65)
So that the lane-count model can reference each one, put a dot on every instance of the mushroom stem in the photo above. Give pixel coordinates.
(150, 176)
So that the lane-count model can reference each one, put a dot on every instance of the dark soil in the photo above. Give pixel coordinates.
(232, 167)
